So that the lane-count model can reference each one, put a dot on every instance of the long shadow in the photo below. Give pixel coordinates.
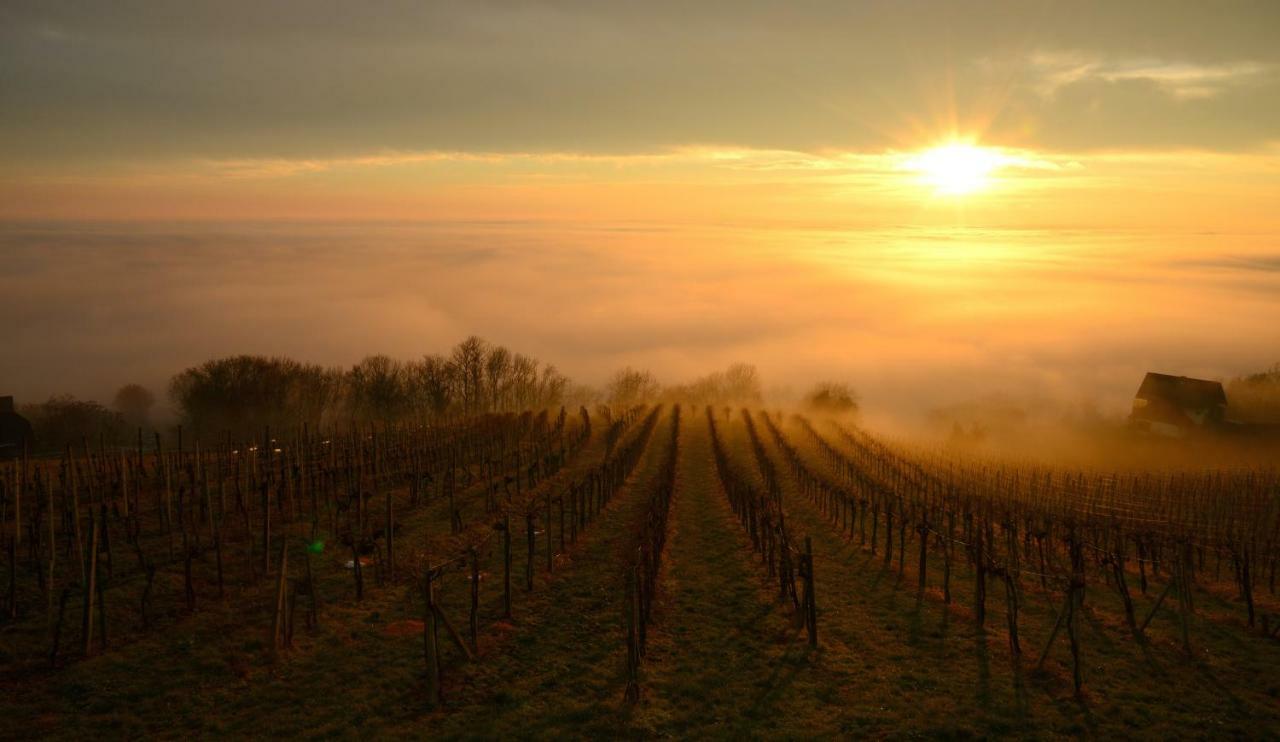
(915, 621)
(1021, 701)
(777, 681)
(983, 658)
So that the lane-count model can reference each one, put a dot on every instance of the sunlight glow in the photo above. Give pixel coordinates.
(956, 169)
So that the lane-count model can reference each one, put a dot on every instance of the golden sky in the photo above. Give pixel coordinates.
(1045, 197)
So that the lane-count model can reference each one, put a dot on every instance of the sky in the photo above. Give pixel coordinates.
(667, 184)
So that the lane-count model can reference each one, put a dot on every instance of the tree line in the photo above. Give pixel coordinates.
(250, 392)
(247, 393)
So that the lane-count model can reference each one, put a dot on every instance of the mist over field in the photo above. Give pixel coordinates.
(914, 318)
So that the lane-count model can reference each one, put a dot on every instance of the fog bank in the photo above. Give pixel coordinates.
(914, 318)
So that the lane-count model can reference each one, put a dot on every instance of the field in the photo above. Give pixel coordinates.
(652, 571)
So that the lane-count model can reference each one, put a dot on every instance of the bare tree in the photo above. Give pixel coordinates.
(742, 384)
(378, 390)
(497, 367)
(435, 384)
(832, 396)
(551, 388)
(244, 393)
(468, 361)
(134, 402)
(524, 381)
(630, 386)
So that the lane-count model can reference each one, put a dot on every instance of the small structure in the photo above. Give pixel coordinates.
(1177, 405)
(15, 431)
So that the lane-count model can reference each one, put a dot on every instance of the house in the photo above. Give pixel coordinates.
(15, 431)
(1177, 405)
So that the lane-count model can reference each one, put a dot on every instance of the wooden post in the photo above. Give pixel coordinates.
(812, 618)
(313, 615)
(57, 627)
(528, 565)
(1011, 613)
(277, 623)
(473, 623)
(91, 587)
(1074, 634)
(266, 528)
(391, 540)
(632, 694)
(356, 570)
(430, 645)
(947, 548)
(506, 567)
(1122, 586)
(53, 548)
(1184, 599)
(888, 535)
(75, 516)
(573, 514)
(217, 548)
(924, 544)
(17, 538)
(980, 580)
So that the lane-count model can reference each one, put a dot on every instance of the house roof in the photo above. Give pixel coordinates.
(14, 429)
(1182, 391)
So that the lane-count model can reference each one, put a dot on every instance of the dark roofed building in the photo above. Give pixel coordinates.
(1176, 405)
(15, 431)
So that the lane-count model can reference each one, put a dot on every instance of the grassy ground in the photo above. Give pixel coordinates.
(209, 671)
(562, 668)
(24, 644)
(927, 669)
(724, 659)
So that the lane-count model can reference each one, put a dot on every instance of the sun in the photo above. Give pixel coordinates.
(956, 169)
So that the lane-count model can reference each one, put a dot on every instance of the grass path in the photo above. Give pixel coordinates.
(723, 660)
(562, 669)
(919, 667)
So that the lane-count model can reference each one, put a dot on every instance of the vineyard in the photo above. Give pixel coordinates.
(650, 570)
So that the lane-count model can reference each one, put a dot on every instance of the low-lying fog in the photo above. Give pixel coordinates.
(1061, 324)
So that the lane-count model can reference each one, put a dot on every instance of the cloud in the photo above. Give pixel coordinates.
(279, 167)
(1181, 80)
(287, 79)
(707, 157)
(1260, 263)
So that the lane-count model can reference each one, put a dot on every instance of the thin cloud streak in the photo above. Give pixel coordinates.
(1183, 80)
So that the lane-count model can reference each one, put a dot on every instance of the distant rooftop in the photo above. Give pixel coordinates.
(1182, 391)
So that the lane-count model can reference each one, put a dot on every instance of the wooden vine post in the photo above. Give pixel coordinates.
(90, 586)
(281, 607)
(473, 624)
(811, 615)
(529, 543)
(506, 567)
(632, 608)
(431, 647)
